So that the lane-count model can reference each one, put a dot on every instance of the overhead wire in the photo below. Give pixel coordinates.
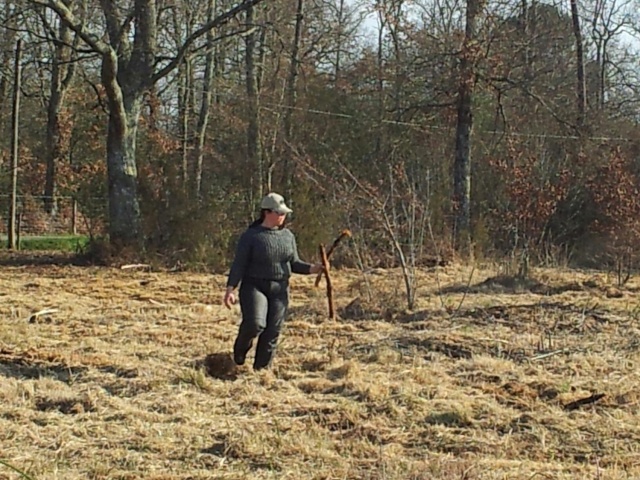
(273, 107)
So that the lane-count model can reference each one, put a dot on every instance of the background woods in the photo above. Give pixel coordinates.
(426, 127)
(500, 131)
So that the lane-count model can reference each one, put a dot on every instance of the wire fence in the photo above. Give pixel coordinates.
(39, 215)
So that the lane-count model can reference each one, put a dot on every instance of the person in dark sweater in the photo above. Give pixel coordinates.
(266, 256)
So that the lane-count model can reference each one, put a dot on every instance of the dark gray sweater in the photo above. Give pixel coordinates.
(267, 254)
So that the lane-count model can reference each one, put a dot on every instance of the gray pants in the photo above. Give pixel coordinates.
(264, 307)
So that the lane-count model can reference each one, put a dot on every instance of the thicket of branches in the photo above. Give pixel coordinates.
(362, 112)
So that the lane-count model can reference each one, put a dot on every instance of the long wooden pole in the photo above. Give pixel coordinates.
(327, 276)
(12, 234)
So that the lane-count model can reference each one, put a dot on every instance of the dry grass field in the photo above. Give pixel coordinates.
(130, 378)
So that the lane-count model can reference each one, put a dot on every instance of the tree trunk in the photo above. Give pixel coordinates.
(602, 77)
(205, 105)
(124, 208)
(184, 108)
(462, 161)
(292, 86)
(527, 10)
(339, 42)
(601, 41)
(54, 150)
(382, 22)
(462, 171)
(598, 44)
(262, 51)
(61, 75)
(253, 128)
(124, 114)
(185, 91)
(12, 232)
(8, 43)
(394, 30)
(581, 88)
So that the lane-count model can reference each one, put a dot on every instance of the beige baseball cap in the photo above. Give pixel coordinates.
(274, 202)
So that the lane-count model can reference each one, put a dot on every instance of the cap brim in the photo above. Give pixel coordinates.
(283, 210)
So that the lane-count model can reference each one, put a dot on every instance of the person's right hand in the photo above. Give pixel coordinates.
(229, 298)
(316, 268)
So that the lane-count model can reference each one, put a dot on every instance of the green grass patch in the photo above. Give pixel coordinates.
(59, 243)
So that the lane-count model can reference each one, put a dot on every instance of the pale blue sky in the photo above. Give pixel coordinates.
(627, 37)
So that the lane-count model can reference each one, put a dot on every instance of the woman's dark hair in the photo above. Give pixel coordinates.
(259, 220)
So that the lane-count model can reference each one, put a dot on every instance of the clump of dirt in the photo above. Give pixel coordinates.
(68, 406)
(221, 366)
(508, 283)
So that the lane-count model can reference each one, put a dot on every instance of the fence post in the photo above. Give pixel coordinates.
(19, 230)
(74, 216)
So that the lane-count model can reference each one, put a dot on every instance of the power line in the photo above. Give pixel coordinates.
(435, 127)
(347, 116)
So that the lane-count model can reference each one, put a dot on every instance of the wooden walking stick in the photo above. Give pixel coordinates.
(343, 234)
(325, 271)
(326, 266)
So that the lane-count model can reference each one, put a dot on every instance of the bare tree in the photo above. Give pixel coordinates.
(6, 58)
(15, 117)
(291, 94)
(609, 20)
(395, 14)
(129, 70)
(339, 37)
(392, 203)
(462, 162)
(62, 73)
(254, 151)
(332, 36)
(380, 66)
(581, 86)
(205, 102)
(184, 18)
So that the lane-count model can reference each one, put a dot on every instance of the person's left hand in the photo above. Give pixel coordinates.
(316, 268)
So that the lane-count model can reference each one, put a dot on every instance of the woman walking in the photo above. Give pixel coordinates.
(266, 256)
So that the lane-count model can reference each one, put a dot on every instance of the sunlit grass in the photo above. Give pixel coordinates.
(128, 375)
